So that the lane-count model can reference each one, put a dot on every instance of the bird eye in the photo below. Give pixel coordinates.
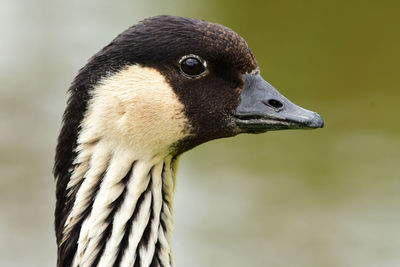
(193, 66)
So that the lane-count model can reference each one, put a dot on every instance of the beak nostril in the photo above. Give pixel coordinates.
(275, 103)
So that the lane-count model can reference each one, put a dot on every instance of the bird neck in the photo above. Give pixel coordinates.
(122, 209)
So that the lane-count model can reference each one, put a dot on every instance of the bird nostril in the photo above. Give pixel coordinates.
(275, 103)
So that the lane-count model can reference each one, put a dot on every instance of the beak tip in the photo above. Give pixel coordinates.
(316, 121)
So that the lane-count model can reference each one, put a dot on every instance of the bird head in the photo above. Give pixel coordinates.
(170, 83)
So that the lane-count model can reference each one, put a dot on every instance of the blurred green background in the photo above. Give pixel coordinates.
(322, 198)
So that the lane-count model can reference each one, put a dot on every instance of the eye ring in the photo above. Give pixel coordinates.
(189, 70)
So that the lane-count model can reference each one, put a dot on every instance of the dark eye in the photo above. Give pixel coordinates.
(193, 66)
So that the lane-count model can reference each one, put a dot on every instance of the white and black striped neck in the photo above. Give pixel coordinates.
(122, 209)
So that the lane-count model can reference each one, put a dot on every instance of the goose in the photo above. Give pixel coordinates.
(160, 88)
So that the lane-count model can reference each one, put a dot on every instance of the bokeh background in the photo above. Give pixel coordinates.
(320, 198)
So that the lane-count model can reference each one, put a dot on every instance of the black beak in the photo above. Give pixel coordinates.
(262, 108)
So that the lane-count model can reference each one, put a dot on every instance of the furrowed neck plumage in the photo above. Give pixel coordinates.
(119, 194)
(123, 210)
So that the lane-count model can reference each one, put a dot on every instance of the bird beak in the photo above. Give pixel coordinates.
(262, 108)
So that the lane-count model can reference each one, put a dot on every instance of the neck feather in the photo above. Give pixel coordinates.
(120, 210)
